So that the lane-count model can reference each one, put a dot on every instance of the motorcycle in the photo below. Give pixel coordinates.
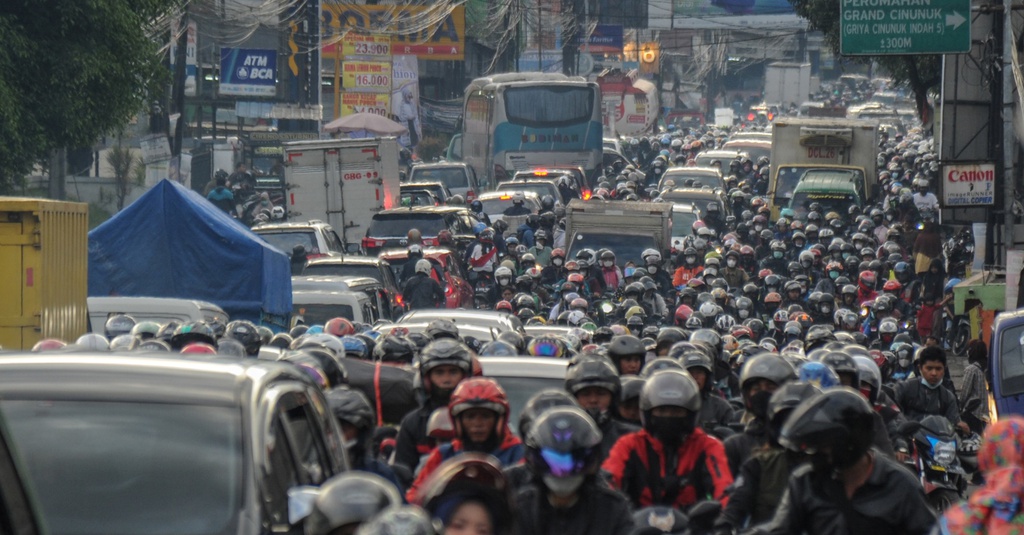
(959, 253)
(932, 454)
(482, 291)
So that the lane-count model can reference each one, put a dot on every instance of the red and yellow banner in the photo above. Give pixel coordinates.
(427, 32)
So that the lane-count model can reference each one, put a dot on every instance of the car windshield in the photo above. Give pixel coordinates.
(453, 177)
(625, 246)
(830, 201)
(286, 241)
(343, 270)
(319, 314)
(541, 189)
(418, 198)
(1011, 362)
(680, 176)
(497, 206)
(682, 223)
(112, 468)
(753, 150)
(399, 225)
(520, 389)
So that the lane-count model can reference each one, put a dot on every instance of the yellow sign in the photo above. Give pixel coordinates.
(357, 44)
(366, 76)
(427, 32)
(377, 103)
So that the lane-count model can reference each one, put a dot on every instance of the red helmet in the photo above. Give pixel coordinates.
(697, 225)
(867, 279)
(339, 327)
(48, 344)
(892, 285)
(746, 250)
(682, 314)
(740, 332)
(201, 348)
(773, 297)
(575, 278)
(479, 393)
(764, 273)
(503, 305)
(558, 252)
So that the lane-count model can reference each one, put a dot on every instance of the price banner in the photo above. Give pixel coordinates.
(370, 46)
(377, 103)
(366, 76)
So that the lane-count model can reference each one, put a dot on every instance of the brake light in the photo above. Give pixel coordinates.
(587, 195)
(315, 255)
(448, 289)
(431, 241)
(372, 242)
(540, 172)
(505, 198)
(399, 299)
(470, 195)
(499, 173)
(751, 116)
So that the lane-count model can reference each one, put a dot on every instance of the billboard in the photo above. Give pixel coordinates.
(248, 72)
(427, 32)
(366, 76)
(605, 39)
(970, 184)
(405, 94)
(723, 14)
(376, 103)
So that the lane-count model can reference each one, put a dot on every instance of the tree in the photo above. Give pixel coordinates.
(72, 70)
(128, 171)
(918, 73)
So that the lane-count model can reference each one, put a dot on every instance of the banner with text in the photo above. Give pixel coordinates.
(366, 76)
(970, 184)
(376, 103)
(432, 32)
(248, 72)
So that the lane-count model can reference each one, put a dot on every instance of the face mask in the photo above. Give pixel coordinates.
(730, 263)
(905, 363)
(691, 259)
(744, 313)
(931, 386)
(799, 244)
(826, 309)
(503, 281)
(556, 261)
(652, 269)
(599, 416)
(607, 263)
(777, 254)
(759, 404)
(563, 486)
(758, 228)
(670, 430)
(710, 272)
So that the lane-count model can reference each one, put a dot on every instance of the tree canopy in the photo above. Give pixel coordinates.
(919, 73)
(71, 71)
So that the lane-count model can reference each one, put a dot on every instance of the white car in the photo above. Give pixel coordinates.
(496, 202)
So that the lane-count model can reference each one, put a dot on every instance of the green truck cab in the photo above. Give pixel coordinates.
(834, 189)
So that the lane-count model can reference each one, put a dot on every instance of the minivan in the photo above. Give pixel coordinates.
(459, 178)
(157, 309)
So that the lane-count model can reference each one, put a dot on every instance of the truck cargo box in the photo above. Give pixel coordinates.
(627, 228)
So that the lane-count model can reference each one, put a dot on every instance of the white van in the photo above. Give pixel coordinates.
(315, 307)
(157, 309)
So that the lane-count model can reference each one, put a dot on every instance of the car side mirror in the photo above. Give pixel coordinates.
(300, 503)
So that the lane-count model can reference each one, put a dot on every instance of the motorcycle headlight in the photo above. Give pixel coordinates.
(943, 452)
(607, 307)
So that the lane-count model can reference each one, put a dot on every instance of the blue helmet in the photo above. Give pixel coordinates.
(355, 348)
(949, 285)
(478, 227)
(818, 374)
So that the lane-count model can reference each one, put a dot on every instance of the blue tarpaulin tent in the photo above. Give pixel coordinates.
(172, 242)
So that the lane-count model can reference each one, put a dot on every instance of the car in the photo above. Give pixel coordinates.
(125, 442)
(358, 266)
(754, 149)
(317, 237)
(315, 306)
(522, 377)
(706, 176)
(417, 197)
(380, 302)
(479, 332)
(458, 177)
(447, 271)
(725, 157)
(389, 228)
(500, 321)
(18, 506)
(539, 186)
(698, 198)
(437, 189)
(612, 143)
(161, 310)
(576, 174)
(1006, 361)
(496, 202)
(683, 217)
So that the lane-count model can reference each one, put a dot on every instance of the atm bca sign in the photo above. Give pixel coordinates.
(968, 184)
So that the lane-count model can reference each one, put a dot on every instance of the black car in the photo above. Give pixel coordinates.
(120, 444)
(389, 229)
(359, 266)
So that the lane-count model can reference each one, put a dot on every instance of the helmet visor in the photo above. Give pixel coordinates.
(561, 464)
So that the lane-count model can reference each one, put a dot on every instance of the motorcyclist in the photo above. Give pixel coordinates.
(595, 384)
(420, 291)
(627, 353)
(477, 209)
(333, 511)
(925, 395)
(482, 256)
(221, 196)
(689, 267)
(518, 205)
(565, 496)
(671, 461)
(715, 411)
(541, 249)
(734, 275)
(846, 487)
(357, 420)
(760, 376)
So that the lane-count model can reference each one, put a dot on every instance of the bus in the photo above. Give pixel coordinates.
(520, 121)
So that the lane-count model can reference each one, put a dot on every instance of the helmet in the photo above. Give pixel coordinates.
(546, 346)
(869, 372)
(350, 498)
(193, 331)
(766, 366)
(199, 348)
(563, 448)
(626, 346)
(246, 334)
(698, 359)
(539, 403)
(117, 325)
(842, 363)
(479, 393)
(351, 406)
(658, 364)
(445, 352)
(839, 419)
(818, 374)
(394, 349)
(785, 399)
(400, 520)
(340, 326)
(670, 388)
(442, 329)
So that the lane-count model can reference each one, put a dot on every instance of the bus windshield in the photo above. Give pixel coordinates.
(549, 105)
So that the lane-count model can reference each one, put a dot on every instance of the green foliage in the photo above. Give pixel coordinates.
(70, 71)
(919, 73)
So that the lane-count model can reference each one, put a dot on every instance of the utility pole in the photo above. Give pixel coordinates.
(178, 89)
(1006, 144)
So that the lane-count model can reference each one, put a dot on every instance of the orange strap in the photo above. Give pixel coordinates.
(376, 392)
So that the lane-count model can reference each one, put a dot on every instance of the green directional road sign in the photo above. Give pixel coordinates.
(881, 27)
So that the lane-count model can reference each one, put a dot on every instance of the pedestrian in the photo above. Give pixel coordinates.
(974, 388)
(995, 508)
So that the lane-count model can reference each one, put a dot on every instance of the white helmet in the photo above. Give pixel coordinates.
(518, 197)
(423, 266)
(277, 213)
(651, 256)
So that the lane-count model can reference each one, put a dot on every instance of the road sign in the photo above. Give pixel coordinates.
(898, 27)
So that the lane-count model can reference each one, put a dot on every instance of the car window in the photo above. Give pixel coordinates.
(118, 468)
(1011, 361)
(286, 241)
(452, 177)
(305, 438)
(334, 243)
(318, 314)
(399, 225)
(283, 473)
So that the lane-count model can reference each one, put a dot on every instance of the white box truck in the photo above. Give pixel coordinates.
(341, 181)
(801, 144)
(787, 84)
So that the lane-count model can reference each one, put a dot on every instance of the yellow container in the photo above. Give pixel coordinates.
(44, 264)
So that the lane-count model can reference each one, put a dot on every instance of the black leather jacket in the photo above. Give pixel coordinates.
(599, 511)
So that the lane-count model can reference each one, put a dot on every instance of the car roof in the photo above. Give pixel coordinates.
(422, 185)
(708, 193)
(428, 252)
(490, 195)
(308, 282)
(145, 377)
(289, 225)
(693, 171)
(436, 165)
(346, 260)
(428, 210)
(480, 332)
(459, 316)
(534, 367)
(818, 180)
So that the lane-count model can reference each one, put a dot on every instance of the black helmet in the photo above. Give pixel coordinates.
(350, 498)
(670, 388)
(767, 366)
(539, 403)
(547, 203)
(592, 371)
(394, 349)
(658, 364)
(192, 332)
(817, 336)
(117, 325)
(784, 400)
(533, 221)
(227, 347)
(352, 407)
(839, 419)
(400, 520)
(698, 359)
(144, 330)
(445, 352)
(442, 329)
(280, 341)
(843, 363)
(498, 348)
(245, 332)
(631, 387)
(563, 449)
(626, 345)
(669, 336)
(515, 339)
